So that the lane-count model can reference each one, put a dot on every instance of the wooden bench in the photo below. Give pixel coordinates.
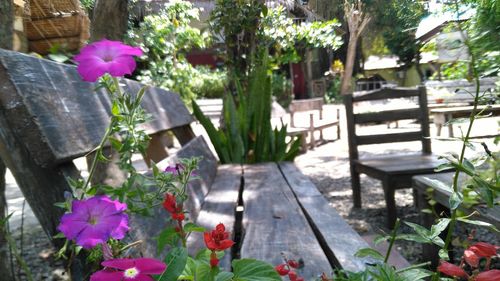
(212, 108)
(425, 191)
(443, 116)
(48, 117)
(315, 120)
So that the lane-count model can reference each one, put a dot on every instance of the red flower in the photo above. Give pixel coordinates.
(218, 239)
(484, 250)
(452, 270)
(292, 275)
(170, 204)
(293, 263)
(490, 275)
(214, 261)
(282, 269)
(471, 258)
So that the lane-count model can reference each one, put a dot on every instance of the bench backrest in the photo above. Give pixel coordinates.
(66, 118)
(315, 104)
(387, 115)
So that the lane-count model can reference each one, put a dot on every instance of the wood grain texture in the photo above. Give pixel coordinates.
(389, 115)
(337, 238)
(403, 164)
(389, 138)
(274, 222)
(386, 93)
(219, 207)
(69, 116)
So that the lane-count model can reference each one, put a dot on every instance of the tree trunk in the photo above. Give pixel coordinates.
(5, 269)
(6, 24)
(109, 20)
(345, 87)
(6, 42)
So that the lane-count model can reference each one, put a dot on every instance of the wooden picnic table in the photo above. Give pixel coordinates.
(442, 116)
(421, 185)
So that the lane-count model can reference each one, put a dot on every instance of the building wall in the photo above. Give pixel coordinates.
(391, 75)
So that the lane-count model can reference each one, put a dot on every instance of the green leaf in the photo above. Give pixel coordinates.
(203, 272)
(224, 276)
(455, 200)
(413, 237)
(480, 223)
(204, 255)
(189, 270)
(380, 238)
(254, 270)
(438, 184)
(420, 230)
(469, 166)
(191, 227)
(176, 262)
(58, 57)
(115, 109)
(436, 229)
(167, 237)
(415, 274)
(369, 252)
(443, 254)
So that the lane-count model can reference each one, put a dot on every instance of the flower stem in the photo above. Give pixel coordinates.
(472, 117)
(98, 152)
(393, 239)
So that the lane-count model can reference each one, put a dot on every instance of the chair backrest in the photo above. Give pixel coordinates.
(389, 114)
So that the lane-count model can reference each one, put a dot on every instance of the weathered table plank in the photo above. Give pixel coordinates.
(219, 207)
(274, 222)
(332, 230)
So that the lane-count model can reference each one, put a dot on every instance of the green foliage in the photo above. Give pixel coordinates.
(209, 83)
(247, 136)
(289, 40)
(236, 22)
(166, 38)
(399, 20)
(333, 93)
(281, 88)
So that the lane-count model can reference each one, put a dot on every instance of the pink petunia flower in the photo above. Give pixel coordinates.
(106, 56)
(129, 269)
(93, 221)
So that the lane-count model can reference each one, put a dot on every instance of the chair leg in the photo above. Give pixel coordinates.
(390, 202)
(356, 187)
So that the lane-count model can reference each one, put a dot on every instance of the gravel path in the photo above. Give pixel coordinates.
(328, 168)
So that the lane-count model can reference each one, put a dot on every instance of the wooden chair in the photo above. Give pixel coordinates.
(395, 171)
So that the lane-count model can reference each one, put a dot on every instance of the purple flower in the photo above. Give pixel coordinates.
(177, 169)
(129, 269)
(106, 56)
(93, 221)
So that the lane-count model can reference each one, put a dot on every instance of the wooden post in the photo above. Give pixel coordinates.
(6, 42)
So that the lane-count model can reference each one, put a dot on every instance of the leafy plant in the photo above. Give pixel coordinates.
(247, 136)
(209, 83)
(166, 38)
